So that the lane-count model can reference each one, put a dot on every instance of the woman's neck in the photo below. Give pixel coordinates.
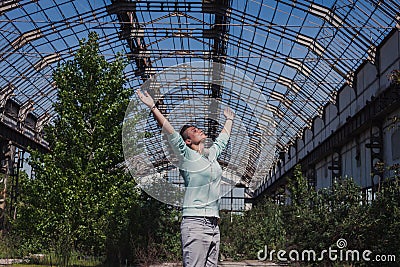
(198, 147)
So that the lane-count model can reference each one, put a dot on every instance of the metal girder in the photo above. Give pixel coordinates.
(154, 6)
(132, 32)
(13, 126)
(11, 163)
(220, 28)
(218, 32)
(311, 43)
(8, 5)
(23, 141)
(375, 146)
(5, 94)
(26, 38)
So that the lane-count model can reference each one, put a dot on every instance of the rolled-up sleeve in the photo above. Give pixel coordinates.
(220, 143)
(177, 144)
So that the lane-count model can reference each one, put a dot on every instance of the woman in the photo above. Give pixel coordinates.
(202, 176)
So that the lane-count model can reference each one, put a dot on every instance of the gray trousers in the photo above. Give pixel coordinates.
(200, 241)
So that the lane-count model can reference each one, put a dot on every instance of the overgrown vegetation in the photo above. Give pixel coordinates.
(80, 196)
(82, 202)
(318, 219)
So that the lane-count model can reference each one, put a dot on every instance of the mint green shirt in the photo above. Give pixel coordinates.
(201, 174)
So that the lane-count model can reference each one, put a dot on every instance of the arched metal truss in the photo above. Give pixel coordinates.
(299, 53)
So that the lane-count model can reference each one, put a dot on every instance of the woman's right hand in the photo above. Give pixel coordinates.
(145, 98)
(161, 120)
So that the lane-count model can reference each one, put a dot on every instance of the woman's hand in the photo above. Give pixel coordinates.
(228, 113)
(161, 120)
(145, 98)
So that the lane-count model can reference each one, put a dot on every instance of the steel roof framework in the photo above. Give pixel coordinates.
(299, 53)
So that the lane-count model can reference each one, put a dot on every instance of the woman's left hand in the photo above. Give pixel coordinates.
(228, 113)
(145, 98)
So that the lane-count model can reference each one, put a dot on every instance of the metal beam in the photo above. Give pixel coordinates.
(21, 139)
(132, 32)
(6, 6)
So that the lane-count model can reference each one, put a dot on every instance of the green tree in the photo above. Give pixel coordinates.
(81, 194)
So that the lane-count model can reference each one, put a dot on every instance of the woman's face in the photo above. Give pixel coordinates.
(195, 135)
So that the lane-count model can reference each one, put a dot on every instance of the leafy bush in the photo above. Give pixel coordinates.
(244, 235)
(154, 232)
(318, 219)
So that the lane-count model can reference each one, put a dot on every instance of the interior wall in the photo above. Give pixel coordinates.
(369, 81)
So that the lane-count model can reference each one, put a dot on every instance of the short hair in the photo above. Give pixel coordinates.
(183, 133)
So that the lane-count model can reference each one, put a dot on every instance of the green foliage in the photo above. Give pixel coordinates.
(317, 219)
(155, 232)
(299, 215)
(384, 228)
(81, 194)
(331, 213)
(244, 235)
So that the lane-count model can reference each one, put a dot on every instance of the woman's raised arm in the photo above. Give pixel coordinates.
(162, 121)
